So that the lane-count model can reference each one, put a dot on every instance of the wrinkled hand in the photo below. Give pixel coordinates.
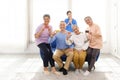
(38, 34)
(68, 35)
(53, 33)
(42, 29)
(49, 30)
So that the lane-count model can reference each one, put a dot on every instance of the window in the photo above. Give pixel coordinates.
(56, 8)
(94, 8)
(80, 8)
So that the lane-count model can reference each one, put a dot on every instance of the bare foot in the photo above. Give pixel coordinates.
(53, 70)
(46, 71)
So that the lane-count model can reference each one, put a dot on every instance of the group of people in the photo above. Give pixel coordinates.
(76, 45)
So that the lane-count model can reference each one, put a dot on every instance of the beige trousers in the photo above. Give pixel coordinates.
(57, 57)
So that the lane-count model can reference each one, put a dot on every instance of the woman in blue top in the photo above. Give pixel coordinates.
(70, 21)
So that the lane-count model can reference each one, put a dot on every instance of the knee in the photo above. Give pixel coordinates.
(71, 54)
(82, 58)
(55, 57)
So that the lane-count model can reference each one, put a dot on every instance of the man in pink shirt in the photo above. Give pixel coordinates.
(95, 43)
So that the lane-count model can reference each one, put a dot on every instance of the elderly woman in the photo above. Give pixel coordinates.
(42, 35)
(81, 44)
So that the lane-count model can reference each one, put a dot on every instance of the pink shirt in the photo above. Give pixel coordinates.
(95, 37)
(44, 35)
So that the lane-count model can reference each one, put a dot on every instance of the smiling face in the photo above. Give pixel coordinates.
(62, 25)
(88, 20)
(76, 29)
(46, 19)
(69, 14)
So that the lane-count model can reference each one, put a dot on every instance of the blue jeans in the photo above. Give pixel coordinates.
(42, 54)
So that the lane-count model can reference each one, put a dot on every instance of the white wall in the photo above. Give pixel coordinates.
(99, 11)
(40, 7)
(115, 27)
(13, 26)
(106, 44)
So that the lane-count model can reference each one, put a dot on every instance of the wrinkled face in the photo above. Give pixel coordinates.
(46, 20)
(88, 21)
(62, 25)
(75, 29)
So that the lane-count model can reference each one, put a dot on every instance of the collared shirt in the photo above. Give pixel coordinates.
(44, 35)
(95, 37)
(69, 26)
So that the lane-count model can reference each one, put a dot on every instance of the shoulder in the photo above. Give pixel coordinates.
(66, 19)
(73, 19)
(96, 26)
(39, 26)
(58, 33)
(50, 26)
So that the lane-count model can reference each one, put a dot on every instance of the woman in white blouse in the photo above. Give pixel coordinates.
(80, 41)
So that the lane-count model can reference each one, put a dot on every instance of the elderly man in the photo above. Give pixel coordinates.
(62, 48)
(95, 42)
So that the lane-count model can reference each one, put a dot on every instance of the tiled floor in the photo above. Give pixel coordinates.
(29, 67)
